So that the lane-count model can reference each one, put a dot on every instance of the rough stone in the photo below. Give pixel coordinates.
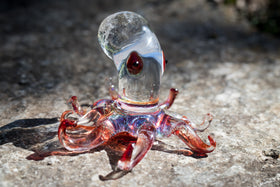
(49, 52)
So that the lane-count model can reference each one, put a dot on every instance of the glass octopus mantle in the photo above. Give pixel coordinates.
(126, 38)
(133, 115)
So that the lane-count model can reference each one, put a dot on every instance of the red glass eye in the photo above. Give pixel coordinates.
(134, 63)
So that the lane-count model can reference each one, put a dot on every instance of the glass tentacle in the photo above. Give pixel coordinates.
(192, 140)
(136, 151)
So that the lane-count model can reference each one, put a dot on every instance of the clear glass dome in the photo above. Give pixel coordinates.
(121, 35)
(123, 32)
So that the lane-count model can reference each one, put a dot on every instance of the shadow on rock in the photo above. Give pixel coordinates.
(40, 136)
(29, 133)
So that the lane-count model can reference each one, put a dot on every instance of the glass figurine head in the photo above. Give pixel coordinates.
(126, 39)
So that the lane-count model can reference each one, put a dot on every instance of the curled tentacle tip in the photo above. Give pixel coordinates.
(211, 139)
(123, 166)
(65, 114)
(210, 117)
(72, 99)
(174, 90)
(199, 155)
(112, 87)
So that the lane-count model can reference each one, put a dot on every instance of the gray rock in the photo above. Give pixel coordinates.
(49, 52)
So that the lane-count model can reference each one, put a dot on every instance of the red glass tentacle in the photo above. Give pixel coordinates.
(136, 151)
(85, 133)
(73, 101)
(83, 138)
(172, 96)
(190, 138)
(202, 126)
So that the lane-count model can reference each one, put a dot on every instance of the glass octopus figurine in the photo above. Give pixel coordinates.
(133, 114)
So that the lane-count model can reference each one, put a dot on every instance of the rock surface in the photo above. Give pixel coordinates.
(49, 52)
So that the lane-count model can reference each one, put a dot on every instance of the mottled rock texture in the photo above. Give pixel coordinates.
(49, 52)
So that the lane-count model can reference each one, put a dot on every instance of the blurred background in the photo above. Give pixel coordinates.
(223, 56)
(46, 43)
